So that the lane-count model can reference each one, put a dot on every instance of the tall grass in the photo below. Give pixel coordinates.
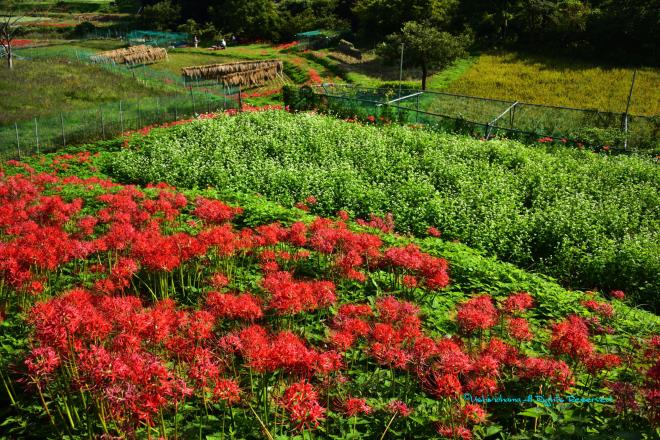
(560, 82)
(37, 88)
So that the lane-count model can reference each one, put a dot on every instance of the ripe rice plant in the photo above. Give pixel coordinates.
(590, 220)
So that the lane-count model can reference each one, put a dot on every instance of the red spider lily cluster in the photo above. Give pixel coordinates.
(286, 45)
(263, 94)
(21, 43)
(170, 303)
(231, 112)
(314, 77)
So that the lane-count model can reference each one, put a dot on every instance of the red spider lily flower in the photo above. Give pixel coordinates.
(409, 281)
(518, 302)
(300, 401)
(342, 340)
(482, 386)
(290, 297)
(604, 309)
(598, 362)
(446, 385)
(557, 372)
(226, 306)
(624, 396)
(618, 294)
(454, 432)
(451, 359)
(297, 235)
(504, 353)
(219, 280)
(473, 413)
(518, 328)
(354, 311)
(343, 215)
(311, 200)
(385, 224)
(353, 406)
(42, 362)
(227, 390)
(399, 408)
(433, 232)
(214, 211)
(478, 313)
(571, 337)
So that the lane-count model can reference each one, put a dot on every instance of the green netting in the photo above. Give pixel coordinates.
(154, 38)
(486, 117)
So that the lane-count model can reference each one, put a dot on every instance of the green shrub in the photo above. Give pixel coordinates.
(590, 220)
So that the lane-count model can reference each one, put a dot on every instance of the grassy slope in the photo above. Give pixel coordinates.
(562, 82)
(38, 88)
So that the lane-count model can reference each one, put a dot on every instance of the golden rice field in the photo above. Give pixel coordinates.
(562, 82)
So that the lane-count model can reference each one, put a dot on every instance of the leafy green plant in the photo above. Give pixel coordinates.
(589, 220)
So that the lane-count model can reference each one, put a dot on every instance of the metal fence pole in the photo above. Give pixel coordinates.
(121, 117)
(102, 123)
(208, 102)
(240, 99)
(139, 114)
(18, 141)
(625, 121)
(62, 125)
(160, 114)
(192, 95)
(36, 133)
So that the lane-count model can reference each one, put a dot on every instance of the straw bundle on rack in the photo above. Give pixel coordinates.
(150, 55)
(249, 78)
(133, 55)
(219, 71)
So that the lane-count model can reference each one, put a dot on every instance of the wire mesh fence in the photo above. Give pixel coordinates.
(107, 121)
(178, 99)
(489, 117)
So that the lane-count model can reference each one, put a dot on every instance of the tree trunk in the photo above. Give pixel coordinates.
(10, 57)
(425, 73)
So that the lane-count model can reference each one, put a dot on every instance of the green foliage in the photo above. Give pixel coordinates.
(589, 220)
(425, 46)
(378, 18)
(161, 16)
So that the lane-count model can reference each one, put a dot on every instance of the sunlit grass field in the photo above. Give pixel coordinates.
(561, 82)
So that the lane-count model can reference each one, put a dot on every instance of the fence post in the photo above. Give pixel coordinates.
(240, 99)
(121, 117)
(18, 141)
(224, 94)
(208, 102)
(160, 114)
(36, 133)
(176, 111)
(102, 123)
(625, 120)
(192, 95)
(63, 135)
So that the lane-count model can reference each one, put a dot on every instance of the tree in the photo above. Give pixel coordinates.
(425, 47)
(378, 18)
(8, 29)
(252, 19)
(162, 16)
